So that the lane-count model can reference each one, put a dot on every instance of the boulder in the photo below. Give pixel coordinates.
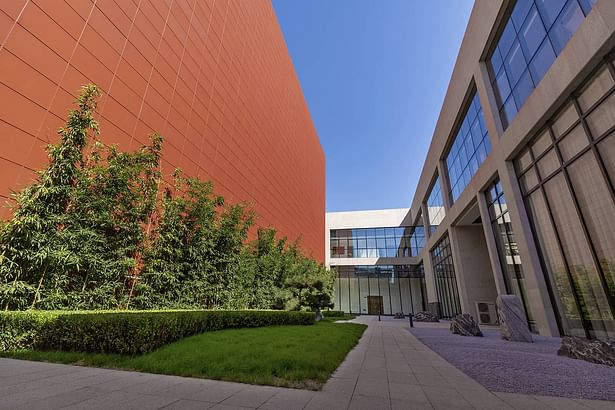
(513, 322)
(425, 317)
(594, 351)
(465, 325)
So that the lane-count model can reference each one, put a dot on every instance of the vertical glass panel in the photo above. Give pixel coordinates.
(523, 89)
(598, 211)
(564, 121)
(385, 293)
(602, 118)
(548, 164)
(468, 150)
(602, 82)
(542, 143)
(344, 289)
(549, 10)
(606, 148)
(524, 160)
(565, 26)
(555, 265)
(514, 63)
(542, 61)
(532, 39)
(354, 294)
(591, 296)
(573, 143)
(520, 12)
(532, 33)
(364, 292)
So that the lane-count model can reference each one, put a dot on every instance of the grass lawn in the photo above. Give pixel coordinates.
(291, 356)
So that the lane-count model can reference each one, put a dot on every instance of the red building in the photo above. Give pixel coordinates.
(213, 77)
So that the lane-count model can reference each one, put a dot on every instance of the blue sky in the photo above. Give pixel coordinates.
(374, 74)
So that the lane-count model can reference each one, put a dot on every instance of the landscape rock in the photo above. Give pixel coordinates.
(594, 351)
(465, 325)
(513, 322)
(425, 316)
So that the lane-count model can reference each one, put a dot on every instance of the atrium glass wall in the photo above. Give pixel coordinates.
(380, 289)
(508, 252)
(435, 206)
(403, 241)
(470, 148)
(534, 36)
(446, 282)
(567, 176)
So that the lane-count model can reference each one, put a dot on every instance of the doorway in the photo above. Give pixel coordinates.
(375, 305)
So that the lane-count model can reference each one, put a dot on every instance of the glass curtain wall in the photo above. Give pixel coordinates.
(567, 176)
(508, 252)
(534, 36)
(435, 206)
(445, 279)
(469, 150)
(380, 289)
(404, 241)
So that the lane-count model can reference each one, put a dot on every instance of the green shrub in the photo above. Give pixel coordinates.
(333, 313)
(127, 332)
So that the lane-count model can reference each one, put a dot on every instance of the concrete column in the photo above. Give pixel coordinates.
(537, 291)
(492, 248)
(430, 283)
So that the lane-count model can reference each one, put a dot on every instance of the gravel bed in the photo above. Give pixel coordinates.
(515, 367)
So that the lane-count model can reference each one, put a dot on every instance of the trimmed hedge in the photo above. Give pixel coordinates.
(127, 332)
(333, 313)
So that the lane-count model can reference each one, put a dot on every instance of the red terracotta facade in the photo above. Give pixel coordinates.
(213, 76)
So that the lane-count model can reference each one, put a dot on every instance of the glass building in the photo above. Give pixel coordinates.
(380, 289)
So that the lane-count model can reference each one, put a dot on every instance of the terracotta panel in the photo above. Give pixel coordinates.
(219, 85)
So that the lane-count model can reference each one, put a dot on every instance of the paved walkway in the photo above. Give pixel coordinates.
(389, 369)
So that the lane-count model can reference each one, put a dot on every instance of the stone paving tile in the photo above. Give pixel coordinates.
(17, 398)
(188, 405)
(522, 402)
(62, 399)
(328, 400)
(251, 396)
(483, 400)
(289, 400)
(369, 403)
(408, 405)
(561, 403)
(445, 398)
(597, 404)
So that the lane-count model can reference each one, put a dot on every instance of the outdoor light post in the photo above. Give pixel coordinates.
(410, 319)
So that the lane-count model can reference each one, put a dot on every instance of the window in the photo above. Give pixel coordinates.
(514, 279)
(571, 202)
(535, 34)
(470, 148)
(445, 279)
(384, 289)
(404, 241)
(435, 206)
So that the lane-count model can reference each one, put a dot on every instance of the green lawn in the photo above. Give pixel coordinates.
(292, 356)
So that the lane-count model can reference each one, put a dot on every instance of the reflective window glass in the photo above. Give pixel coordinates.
(534, 35)
(572, 212)
(469, 149)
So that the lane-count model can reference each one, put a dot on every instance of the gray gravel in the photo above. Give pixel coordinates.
(514, 367)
